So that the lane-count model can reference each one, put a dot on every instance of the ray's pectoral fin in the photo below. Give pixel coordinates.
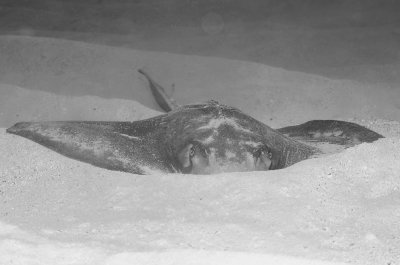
(99, 143)
(336, 132)
(163, 100)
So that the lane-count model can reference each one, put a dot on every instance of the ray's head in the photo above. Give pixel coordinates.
(212, 138)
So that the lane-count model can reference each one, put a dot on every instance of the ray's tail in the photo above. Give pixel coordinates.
(163, 100)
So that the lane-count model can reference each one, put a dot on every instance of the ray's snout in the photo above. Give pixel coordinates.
(18, 127)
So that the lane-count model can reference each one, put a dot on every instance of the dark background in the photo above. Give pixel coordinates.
(350, 39)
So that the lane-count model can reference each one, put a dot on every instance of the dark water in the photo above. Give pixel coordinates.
(357, 39)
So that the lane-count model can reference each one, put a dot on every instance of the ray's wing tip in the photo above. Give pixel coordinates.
(19, 126)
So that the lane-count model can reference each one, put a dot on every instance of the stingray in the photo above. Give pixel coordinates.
(203, 138)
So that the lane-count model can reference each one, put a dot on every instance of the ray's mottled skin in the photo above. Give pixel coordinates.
(222, 130)
(198, 139)
(228, 136)
(123, 146)
(331, 131)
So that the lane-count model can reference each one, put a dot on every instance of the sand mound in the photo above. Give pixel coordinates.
(340, 207)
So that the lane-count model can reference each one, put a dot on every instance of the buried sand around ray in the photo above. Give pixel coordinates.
(340, 207)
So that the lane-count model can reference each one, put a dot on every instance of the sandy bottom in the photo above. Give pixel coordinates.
(342, 208)
(337, 208)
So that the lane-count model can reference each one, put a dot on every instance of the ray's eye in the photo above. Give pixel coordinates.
(261, 151)
(192, 151)
(262, 158)
(193, 157)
